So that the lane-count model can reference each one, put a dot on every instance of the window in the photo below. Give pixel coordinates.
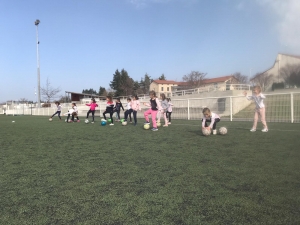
(167, 88)
(162, 88)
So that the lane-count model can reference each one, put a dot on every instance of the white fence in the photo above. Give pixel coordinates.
(283, 107)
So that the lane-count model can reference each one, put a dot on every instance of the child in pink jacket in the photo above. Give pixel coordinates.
(92, 110)
(154, 108)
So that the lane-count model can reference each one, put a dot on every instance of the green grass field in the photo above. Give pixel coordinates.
(59, 173)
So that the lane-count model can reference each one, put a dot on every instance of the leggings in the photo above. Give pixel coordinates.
(74, 116)
(262, 113)
(128, 113)
(153, 115)
(110, 111)
(214, 124)
(58, 113)
(169, 116)
(93, 114)
(118, 113)
(134, 116)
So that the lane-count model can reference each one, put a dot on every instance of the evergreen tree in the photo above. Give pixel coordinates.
(162, 77)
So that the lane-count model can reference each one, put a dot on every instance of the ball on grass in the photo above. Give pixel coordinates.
(86, 121)
(109, 120)
(146, 126)
(124, 123)
(103, 123)
(50, 119)
(158, 124)
(223, 130)
(206, 132)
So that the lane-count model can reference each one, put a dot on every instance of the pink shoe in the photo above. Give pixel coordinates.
(78, 121)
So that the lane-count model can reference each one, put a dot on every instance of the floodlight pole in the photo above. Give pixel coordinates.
(37, 22)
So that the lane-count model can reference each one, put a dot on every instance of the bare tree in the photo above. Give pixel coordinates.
(291, 74)
(23, 100)
(242, 79)
(48, 92)
(261, 79)
(194, 79)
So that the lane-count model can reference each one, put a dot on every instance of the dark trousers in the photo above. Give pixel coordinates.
(215, 123)
(134, 116)
(58, 113)
(111, 112)
(128, 113)
(74, 116)
(93, 114)
(169, 116)
(118, 113)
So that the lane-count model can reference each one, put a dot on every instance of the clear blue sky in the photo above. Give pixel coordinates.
(83, 42)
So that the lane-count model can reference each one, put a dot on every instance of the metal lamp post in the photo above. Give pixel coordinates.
(37, 22)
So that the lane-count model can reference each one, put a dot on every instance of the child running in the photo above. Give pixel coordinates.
(128, 110)
(211, 117)
(260, 109)
(135, 105)
(69, 113)
(169, 111)
(75, 112)
(58, 111)
(118, 107)
(154, 108)
(92, 110)
(164, 105)
(109, 109)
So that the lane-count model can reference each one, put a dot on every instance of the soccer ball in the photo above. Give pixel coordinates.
(206, 132)
(146, 126)
(109, 120)
(86, 121)
(103, 123)
(223, 130)
(124, 123)
(50, 119)
(158, 124)
(103, 120)
(122, 120)
(75, 119)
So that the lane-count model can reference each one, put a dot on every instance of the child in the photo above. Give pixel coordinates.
(118, 107)
(135, 105)
(69, 113)
(260, 109)
(169, 111)
(128, 111)
(109, 109)
(92, 106)
(58, 111)
(164, 105)
(154, 108)
(211, 117)
(75, 113)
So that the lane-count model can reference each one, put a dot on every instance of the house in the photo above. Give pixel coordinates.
(163, 86)
(282, 60)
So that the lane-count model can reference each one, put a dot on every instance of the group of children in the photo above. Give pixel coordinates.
(162, 108)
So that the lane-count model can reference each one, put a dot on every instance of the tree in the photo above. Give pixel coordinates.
(89, 91)
(261, 79)
(64, 99)
(23, 100)
(48, 92)
(116, 82)
(146, 84)
(242, 79)
(102, 91)
(194, 79)
(291, 74)
(162, 77)
(122, 83)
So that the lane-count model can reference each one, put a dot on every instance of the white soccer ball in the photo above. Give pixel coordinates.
(124, 123)
(50, 119)
(147, 126)
(206, 132)
(223, 130)
(86, 121)
(158, 124)
(103, 120)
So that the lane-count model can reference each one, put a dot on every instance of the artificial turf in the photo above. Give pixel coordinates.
(77, 173)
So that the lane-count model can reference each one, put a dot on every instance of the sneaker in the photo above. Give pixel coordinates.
(78, 121)
(169, 123)
(265, 130)
(111, 124)
(214, 132)
(146, 123)
(154, 129)
(130, 122)
(253, 130)
(92, 122)
(165, 125)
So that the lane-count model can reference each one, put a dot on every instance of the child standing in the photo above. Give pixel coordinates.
(109, 109)
(169, 111)
(128, 111)
(92, 110)
(164, 105)
(211, 117)
(135, 105)
(75, 112)
(260, 109)
(154, 108)
(118, 107)
(58, 110)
